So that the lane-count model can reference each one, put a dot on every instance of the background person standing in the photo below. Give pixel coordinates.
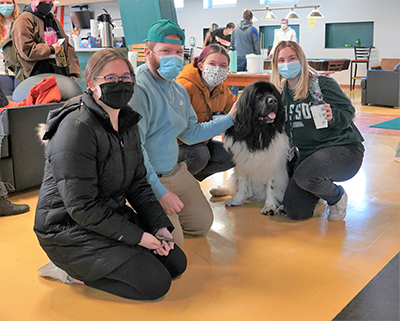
(8, 13)
(207, 39)
(284, 33)
(36, 55)
(223, 36)
(246, 39)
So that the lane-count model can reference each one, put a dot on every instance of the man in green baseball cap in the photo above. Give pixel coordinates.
(159, 31)
(168, 115)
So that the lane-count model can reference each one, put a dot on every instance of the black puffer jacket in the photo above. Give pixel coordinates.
(82, 220)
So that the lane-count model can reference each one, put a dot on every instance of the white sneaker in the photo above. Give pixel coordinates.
(50, 270)
(337, 212)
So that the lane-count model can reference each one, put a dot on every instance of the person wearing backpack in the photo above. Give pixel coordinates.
(41, 42)
(329, 151)
(8, 14)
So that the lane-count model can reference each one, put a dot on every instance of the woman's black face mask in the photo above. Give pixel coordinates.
(117, 96)
(44, 8)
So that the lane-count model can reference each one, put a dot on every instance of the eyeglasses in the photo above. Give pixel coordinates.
(112, 80)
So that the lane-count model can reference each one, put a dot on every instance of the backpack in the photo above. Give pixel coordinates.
(10, 55)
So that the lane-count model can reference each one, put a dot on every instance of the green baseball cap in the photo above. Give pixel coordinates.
(162, 28)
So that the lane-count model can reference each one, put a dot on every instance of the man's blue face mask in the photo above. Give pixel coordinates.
(170, 66)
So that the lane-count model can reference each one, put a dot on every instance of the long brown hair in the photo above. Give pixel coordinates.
(14, 16)
(302, 87)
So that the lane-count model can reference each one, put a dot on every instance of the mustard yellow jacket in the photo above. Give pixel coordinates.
(203, 102)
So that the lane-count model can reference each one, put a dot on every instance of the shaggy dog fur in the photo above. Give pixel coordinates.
(260, 150)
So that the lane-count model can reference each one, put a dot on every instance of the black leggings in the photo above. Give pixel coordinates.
(146, 276)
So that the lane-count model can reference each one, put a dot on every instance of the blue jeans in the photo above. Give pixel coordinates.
(204, 160)
(8, 84)
(241, 66)
(313, 179)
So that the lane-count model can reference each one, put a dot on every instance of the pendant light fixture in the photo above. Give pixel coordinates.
(269, 16)
(315, 13)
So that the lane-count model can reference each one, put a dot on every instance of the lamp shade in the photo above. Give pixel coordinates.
(315, 13)
(292, 15)
(269, 16)
(254, 18)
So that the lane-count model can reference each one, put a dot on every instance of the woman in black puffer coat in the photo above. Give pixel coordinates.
(94, 166)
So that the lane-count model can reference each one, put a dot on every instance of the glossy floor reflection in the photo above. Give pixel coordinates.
(249, 266)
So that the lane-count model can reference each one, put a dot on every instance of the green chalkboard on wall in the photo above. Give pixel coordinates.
(339, 35)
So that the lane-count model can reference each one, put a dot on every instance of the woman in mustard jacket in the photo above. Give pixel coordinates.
(203, 79)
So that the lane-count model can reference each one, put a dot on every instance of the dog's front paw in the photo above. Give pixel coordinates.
(233, 202)
(219, 191)
(269, 210)
(281, 211)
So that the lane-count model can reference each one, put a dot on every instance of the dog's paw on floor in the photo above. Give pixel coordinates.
(271, 210)
(219, 191)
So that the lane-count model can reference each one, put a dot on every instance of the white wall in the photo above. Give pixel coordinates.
(385, 14)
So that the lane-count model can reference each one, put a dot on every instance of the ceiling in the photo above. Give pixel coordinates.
(68, 2)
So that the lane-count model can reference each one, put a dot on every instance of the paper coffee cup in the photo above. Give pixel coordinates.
(133, 58)
(317, 112)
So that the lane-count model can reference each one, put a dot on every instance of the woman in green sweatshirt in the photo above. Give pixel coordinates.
(327, 154)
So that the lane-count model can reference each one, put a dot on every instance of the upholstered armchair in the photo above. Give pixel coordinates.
(22, 155)
(381, 87)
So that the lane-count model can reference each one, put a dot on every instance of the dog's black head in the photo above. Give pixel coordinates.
(260, 115)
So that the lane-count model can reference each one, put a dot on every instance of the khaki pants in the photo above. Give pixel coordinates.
(196, 216)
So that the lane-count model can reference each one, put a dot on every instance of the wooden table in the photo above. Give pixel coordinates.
(328, 64)
(244, 78)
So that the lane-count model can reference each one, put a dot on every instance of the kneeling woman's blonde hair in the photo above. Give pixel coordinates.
(301, 90)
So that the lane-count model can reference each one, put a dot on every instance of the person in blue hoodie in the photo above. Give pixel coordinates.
(168, 115)
(246, 39)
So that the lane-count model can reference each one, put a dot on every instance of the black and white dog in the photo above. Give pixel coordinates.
(260, 150)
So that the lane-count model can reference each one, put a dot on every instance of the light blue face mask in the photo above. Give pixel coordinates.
(170, 66)
(289, 70)
(6, 9)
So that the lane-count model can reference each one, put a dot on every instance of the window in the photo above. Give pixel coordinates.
(178, 4)
(268, 2)
(208, 4)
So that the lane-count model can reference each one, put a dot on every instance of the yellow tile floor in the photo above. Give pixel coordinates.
(248, 267)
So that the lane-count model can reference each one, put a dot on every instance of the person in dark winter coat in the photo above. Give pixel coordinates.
(94, 166)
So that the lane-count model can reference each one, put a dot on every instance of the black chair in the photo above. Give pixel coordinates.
(362, 55)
